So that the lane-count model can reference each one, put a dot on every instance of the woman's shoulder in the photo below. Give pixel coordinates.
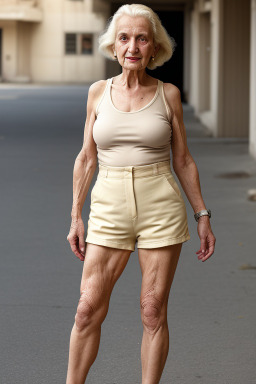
(171, 89)
(97, 87)
(172, 94)
(96, 91)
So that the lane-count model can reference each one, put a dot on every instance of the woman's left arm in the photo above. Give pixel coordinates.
(187, 172)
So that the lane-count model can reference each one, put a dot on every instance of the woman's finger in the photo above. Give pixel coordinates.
(209, 252)
(82, 245)
(73, 247)
(82, 251)
(202, 250)
(203, 245)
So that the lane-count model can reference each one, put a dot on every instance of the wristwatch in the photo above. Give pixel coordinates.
(204, 212)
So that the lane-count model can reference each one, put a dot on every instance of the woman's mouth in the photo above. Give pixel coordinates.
(133, 59)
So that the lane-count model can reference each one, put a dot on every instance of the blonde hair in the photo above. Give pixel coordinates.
(160, 35)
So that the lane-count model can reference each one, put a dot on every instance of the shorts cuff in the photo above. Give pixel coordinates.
(108, 243)
(163, 243)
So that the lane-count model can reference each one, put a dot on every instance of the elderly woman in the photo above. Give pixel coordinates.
(133, 121)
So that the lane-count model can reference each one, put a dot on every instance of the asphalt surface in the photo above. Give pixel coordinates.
(211, 309)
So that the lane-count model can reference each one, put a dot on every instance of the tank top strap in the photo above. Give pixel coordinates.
(105, 93)
(164, 100)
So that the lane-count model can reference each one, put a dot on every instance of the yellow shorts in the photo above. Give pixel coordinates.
(140, 204)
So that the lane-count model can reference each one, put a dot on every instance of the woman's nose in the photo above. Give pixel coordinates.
(133, 46)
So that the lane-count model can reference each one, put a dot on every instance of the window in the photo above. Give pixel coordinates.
(79, 43)
(71, 43)
(86, 44)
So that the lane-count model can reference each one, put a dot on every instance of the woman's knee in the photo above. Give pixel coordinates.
(91, 311)
(153, 314)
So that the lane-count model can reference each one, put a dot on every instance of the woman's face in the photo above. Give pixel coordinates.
(134, 44)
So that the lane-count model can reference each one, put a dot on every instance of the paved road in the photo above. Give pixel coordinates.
(212, 305)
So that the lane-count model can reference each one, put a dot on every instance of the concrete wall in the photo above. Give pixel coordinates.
(48, 59)
(205, 68)
(252, 119)
(23, 49)
(219, 80)
(9, 49)
(235, 66)
(194, 65)
(36, 50)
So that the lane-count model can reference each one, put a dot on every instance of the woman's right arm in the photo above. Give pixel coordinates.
(84, 169)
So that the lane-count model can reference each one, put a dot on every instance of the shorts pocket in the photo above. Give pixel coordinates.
(97, 190)
(173, 186)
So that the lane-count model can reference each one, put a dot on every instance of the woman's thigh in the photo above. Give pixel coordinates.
(102, 268)
(158, 267)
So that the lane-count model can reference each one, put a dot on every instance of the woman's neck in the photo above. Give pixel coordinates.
(133, 79)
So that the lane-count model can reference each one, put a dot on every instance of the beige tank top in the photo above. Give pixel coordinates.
(132, 138)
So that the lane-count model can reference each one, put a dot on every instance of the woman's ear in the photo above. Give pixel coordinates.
(157, 47)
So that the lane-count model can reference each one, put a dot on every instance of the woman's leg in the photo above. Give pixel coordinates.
(158, 267)
(102, 268)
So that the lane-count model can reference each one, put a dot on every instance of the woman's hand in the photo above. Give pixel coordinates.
(76, 238)
(207, 238)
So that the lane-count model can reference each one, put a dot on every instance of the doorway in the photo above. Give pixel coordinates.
(172, 70)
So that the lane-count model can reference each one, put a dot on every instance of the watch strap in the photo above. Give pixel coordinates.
(204, 212)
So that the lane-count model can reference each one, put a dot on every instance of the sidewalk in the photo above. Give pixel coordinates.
(211, 311)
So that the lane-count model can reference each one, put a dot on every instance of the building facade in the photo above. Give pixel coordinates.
(50, 41)
(215, 68)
